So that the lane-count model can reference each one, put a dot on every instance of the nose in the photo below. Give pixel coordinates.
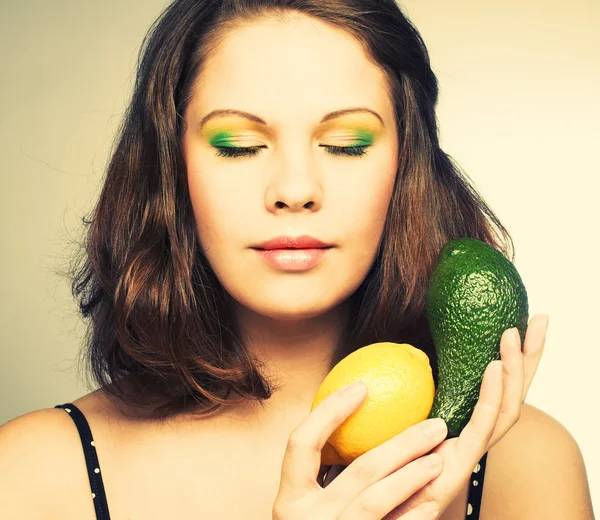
(296, 186)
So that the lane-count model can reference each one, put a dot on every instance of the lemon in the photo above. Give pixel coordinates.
(400, 394)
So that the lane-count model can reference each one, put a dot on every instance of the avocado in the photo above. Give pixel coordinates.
(473, 295)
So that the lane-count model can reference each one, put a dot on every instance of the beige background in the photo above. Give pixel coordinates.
(519, 110)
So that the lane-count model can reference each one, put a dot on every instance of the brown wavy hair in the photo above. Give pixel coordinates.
(162, 336)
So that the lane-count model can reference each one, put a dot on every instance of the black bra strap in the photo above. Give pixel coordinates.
(91, 460)
(476, 489)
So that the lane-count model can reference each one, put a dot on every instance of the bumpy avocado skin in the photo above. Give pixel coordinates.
(474, 294)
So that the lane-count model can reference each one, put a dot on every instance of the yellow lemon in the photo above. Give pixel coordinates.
(400, 394)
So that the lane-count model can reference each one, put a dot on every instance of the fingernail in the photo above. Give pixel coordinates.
(431, 508)
(435, 427)
(356, 388)
(434, 460)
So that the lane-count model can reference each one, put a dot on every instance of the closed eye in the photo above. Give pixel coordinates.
(230, 151)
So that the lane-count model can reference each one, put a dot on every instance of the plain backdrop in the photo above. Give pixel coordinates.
(519, 111)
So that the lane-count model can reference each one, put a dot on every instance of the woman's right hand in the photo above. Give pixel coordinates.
(381, 479)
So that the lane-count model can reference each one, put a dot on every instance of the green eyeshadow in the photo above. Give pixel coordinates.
(362, 137)
(222, 138)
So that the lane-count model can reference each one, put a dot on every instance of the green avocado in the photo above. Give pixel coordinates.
(474, 294)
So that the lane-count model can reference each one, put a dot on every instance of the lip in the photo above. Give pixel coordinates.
(293, 259)
(288, 242)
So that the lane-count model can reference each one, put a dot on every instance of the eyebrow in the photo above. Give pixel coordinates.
(256, 119)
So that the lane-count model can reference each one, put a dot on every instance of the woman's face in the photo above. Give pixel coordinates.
(290, 78)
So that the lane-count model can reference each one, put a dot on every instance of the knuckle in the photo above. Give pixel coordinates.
(363, 471)
(297, 443)
(365, 507)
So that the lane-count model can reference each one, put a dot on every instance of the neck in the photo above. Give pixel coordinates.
(295, 355)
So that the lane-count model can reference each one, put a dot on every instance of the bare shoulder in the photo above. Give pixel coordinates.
(536, 471)
(39, 452)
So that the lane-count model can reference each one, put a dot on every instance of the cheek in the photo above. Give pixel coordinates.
(367, 209)
(216, 207)
(376, 208)
(204, 212)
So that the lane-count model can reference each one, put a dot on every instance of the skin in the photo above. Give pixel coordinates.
(292, 186)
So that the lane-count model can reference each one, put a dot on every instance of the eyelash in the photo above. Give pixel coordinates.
(354, 151)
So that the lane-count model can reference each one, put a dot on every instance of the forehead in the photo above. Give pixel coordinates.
(302, 66)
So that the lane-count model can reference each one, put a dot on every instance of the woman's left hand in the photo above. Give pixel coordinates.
(519, 368)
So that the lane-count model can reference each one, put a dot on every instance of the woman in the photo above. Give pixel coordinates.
(252, 120)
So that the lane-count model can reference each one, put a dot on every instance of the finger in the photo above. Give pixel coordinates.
(535, 339)
(512, 383)
(425, 511)
(382, 460)
(383, 496)
(475, 436)
(302, 457)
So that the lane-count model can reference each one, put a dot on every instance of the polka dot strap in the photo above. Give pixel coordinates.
(476, 489)
(91, 460)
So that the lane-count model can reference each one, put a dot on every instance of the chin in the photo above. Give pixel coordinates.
(290, 305)
(289, 309)
(292, 297)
